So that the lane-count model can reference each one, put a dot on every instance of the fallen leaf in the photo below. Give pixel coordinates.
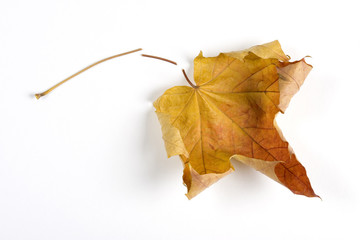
(230, 115)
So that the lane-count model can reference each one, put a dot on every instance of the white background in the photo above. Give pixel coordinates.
(88, 161)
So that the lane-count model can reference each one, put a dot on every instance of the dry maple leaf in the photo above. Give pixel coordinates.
(230, 114)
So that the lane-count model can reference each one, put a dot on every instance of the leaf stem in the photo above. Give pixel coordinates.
(167, 60)
(159, 58)
(39, 95)
(187, 79)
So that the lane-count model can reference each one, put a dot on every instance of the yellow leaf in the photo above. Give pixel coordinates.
(230, 114)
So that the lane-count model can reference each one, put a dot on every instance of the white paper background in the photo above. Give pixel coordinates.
(88, 161)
